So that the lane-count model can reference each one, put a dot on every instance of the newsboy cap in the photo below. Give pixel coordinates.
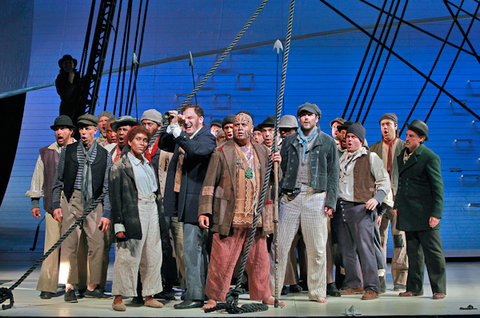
(311, 108)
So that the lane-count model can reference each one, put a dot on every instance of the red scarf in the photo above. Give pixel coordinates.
(149, 154)
(117, 156)
(390, 154)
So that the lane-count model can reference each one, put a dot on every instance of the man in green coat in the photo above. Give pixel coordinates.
(419, 206)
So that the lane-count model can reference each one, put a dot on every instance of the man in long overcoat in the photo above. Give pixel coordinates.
(419, 206)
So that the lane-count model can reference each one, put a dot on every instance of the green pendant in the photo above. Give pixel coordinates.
(249, 173)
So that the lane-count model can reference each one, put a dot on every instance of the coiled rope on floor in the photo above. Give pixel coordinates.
(231, 304)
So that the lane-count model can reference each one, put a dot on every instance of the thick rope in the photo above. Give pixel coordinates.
(231, 304)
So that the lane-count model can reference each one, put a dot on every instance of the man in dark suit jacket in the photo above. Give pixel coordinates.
(419, 206)
(192, 147)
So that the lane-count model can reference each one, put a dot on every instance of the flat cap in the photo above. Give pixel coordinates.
(87, 120)
(311, 108)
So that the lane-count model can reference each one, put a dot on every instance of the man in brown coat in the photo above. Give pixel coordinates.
(227, 206)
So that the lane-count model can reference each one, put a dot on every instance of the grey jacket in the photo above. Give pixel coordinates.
(399, 146)
(324, 167)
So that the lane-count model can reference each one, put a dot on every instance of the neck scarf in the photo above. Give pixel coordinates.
(117, 156)
(87, 186)
(390, 155)
(305, 140)
(149, 154)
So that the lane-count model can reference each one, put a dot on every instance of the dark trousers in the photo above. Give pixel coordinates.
(425, 247)
(355, 233)
(196, 261)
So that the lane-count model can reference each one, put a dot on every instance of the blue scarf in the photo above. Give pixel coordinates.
(305, 140)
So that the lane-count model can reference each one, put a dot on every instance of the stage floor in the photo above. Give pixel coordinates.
(463, 289)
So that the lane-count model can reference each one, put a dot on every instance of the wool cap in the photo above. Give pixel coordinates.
(153, 115)
(358, 130)
(339, 120)
(87, 120)
(288, 121)
(228, 120)
(311, 108)
(389, 116)
(420, 128)
(257, 128)
(216, 122)
(62, 121)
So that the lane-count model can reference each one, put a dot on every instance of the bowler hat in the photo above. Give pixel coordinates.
(420, 128)
(269, 121)
(67, 57)
(311, 108)
(62, 121)
(124, 121)
(345, 125)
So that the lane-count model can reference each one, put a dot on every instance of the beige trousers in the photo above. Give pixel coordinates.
(72, 211)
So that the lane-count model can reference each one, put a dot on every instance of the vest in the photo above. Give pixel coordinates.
(50, 161)
(71, 165)
(363, 179)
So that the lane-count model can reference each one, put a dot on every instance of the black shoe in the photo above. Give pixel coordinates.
(383, 284)
(189, 304)
(295, 288)
(97, 293)
(304, 285)
(284, 291)
(45, 295)
(81, 293)
(332, 290)
(165, 295)
(70, 296)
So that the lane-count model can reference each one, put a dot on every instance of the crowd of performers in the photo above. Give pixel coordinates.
(180, 210)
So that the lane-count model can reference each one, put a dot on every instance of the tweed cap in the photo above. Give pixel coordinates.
(87, 120)
(311, 108)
